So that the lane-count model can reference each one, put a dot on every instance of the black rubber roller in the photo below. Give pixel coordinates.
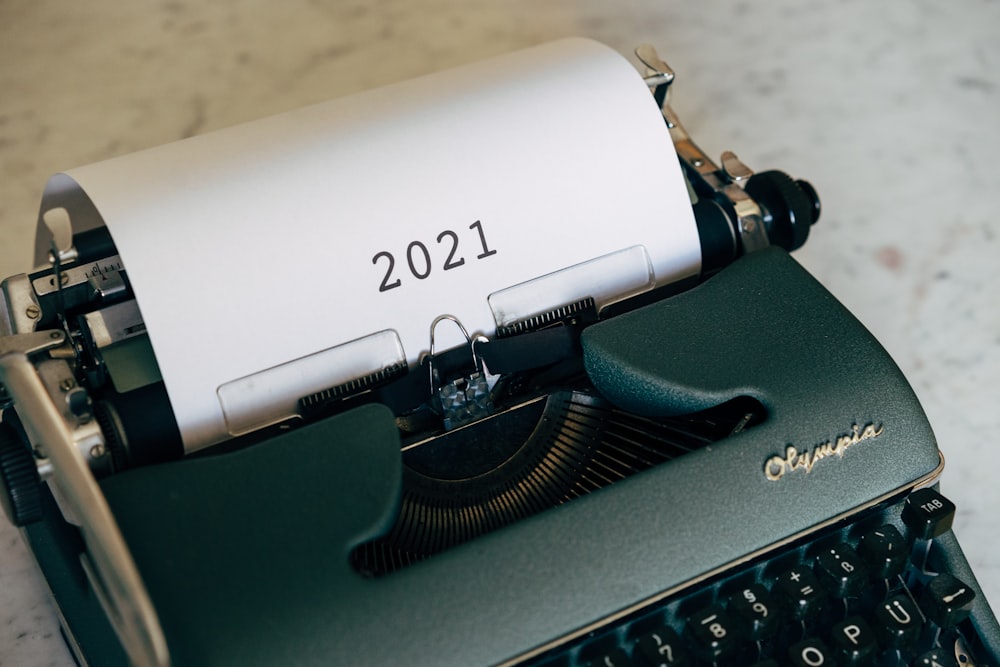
(790, 207)
(715, 231)
(21, 493)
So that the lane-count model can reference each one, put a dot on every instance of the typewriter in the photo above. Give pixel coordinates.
(722, 469)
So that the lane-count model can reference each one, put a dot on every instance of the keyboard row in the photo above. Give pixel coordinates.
(861, 597)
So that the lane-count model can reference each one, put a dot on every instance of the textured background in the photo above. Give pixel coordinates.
(890, 110)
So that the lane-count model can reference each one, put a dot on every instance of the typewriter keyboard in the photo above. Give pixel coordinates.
(859, 594)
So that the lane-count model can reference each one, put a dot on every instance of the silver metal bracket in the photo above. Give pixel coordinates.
(21, 310)
(30, 343)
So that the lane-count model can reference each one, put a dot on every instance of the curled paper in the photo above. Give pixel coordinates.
(266, 245)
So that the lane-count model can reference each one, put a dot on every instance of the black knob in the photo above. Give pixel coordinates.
(813, 196)
(22, 493)
(790, 207)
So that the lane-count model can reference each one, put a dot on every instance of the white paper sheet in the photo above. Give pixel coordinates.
(269, 242)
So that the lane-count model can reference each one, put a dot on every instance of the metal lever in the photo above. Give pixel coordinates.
(659, 75)
(750, 227)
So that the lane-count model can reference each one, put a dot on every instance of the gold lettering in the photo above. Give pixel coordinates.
(872, 432)
(774, 469)
(776, 466)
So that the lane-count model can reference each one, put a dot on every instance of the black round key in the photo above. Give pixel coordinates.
(841, 571)
(756, 610)
(947, 600)
(884, 551)
(811, 652)
(936, 658)
(803, 595)
(896, 622)
(853, 642)
(928, 514)
(660, 648)
(713, 634)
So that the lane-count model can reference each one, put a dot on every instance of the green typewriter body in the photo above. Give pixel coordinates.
(732, 472)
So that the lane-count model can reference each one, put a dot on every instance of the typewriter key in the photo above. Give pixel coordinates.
(928, 514)
(884, 550)
(897, 622)
(841, 571)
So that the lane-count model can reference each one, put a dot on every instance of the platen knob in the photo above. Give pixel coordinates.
(790, 207)
(21, 497)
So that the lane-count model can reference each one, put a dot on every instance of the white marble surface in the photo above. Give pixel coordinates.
(889, 109)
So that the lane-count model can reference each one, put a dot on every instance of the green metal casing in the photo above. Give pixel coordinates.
(245, 554)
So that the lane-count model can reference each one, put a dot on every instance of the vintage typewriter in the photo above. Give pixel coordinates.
(724, 470)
